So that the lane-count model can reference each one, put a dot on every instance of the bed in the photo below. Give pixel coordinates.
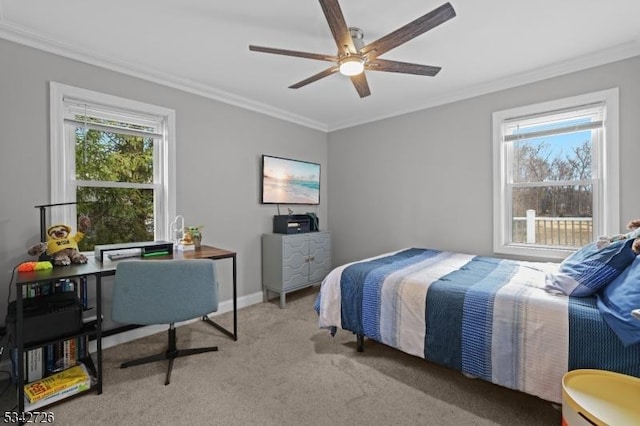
(489, 318)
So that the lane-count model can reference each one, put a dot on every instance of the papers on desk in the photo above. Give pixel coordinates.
(186, 247)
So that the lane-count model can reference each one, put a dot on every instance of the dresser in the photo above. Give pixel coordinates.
(294, 261)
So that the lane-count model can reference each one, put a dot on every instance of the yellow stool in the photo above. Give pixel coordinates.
(597, 397)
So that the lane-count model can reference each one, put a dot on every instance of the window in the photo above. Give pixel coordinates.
(556, 175)
(114, 157)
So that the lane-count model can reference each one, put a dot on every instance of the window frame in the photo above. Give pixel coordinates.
(605, 176)
(63, 180)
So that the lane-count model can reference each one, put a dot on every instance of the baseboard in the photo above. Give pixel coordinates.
(127, 336)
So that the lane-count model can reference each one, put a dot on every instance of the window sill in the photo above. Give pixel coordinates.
(534, 252)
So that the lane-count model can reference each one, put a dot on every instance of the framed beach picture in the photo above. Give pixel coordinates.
(288, 181)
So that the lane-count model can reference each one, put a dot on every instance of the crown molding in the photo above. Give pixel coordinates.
(22, 36)
(606, 56)
(28, 38)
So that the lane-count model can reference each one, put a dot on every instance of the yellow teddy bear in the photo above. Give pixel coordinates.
(61, 245)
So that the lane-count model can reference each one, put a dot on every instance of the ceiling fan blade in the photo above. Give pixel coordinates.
(315, 77)
(411, 30)
(306, 55)
(360, 83)
(402, 67)
(339, 29)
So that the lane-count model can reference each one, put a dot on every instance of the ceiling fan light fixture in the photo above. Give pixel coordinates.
(351, 65)
(353, 56)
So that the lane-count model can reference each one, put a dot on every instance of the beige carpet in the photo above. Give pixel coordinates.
(284, 370)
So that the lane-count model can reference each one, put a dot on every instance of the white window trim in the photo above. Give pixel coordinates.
(606, 220)
(62, 171)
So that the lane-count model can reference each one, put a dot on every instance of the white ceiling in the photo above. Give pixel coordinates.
(202, 46)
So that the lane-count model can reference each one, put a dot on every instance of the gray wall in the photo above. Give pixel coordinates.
(425, 179)
(218, 154)
(421, 179)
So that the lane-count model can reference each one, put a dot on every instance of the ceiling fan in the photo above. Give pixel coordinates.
(354, 56)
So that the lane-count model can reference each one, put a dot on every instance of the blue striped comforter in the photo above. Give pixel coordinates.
(487, 317)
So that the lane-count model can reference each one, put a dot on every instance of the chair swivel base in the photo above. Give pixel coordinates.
(170, 354)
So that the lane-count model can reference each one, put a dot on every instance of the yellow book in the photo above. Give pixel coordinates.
(50, 385)
(30, 406)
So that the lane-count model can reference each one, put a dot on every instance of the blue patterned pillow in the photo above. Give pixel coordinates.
(589, 269)
(618, 299)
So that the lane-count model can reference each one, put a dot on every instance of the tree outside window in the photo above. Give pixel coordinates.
(115, 158)
(118, 214)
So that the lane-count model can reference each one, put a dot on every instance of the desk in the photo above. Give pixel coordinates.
(98, 270)
(214, 253)
(204, 252)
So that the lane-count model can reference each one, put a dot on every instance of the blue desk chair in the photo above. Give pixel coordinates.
(164, 292)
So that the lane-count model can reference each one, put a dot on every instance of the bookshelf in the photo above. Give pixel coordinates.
(35, 360)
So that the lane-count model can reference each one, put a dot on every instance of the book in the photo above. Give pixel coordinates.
(77, 388)
(63, 354)
(34, 365)
(50, 363)
(57, 383)
(84, 297)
